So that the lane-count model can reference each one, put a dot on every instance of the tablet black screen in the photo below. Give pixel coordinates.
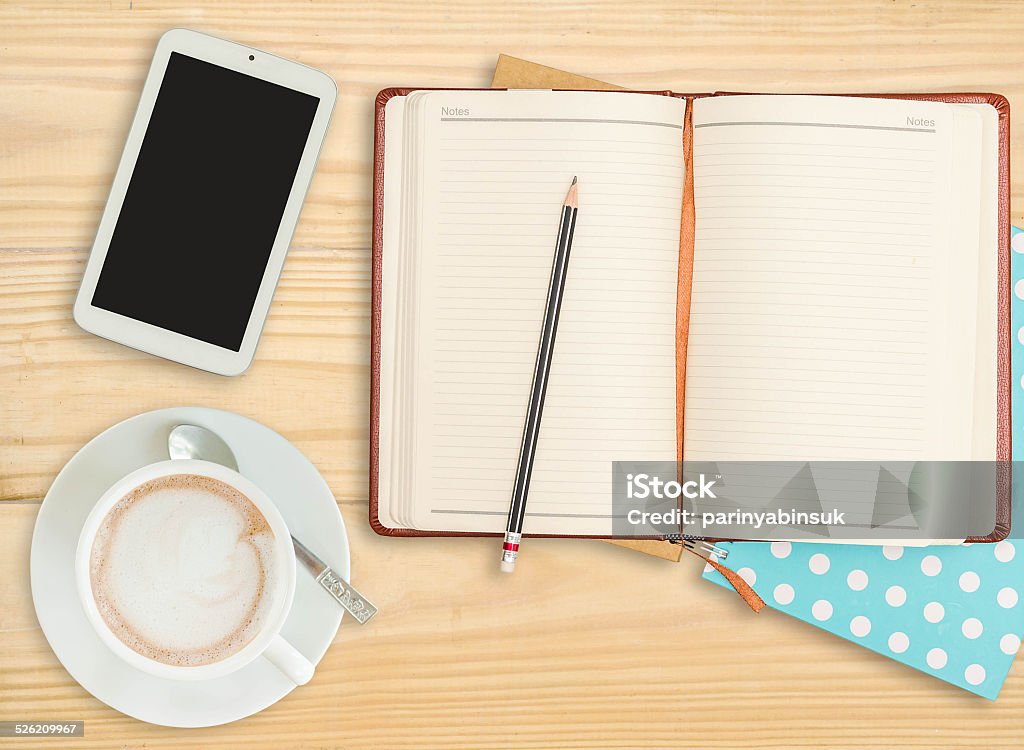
(202, 210)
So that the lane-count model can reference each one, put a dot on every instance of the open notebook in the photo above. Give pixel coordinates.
(821, 284)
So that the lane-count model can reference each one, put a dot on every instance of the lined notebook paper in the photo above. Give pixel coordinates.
(833, 299)
(843, 297)
(490, 174)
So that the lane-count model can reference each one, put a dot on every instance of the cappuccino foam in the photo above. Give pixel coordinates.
(182, 570)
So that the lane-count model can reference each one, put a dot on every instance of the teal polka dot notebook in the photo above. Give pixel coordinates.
(955, 613)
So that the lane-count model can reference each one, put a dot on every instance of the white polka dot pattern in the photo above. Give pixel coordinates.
(895, 596)
(781, 550)
(969, 582)
(857, 580)
(934, 612)
(931, 565)
(784, 593)
(1007, 597)
(860, 626)
(972, 628)
(822, 610)
(954, 612)
(975, 674)
(899, 642)
(819, 564)
(936, 658)
(1005, 551)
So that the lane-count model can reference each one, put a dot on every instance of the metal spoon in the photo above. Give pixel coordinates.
(192, 441)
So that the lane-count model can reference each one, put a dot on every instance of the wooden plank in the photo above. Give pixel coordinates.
(63, 385)
(602, 647)
(645, 656)
(73, 70)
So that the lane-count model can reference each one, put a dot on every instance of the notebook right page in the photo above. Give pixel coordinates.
(830, 315)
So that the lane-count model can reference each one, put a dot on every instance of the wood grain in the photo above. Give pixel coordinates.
(587, 645)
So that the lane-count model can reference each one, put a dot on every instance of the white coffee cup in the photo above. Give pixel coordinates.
(267, 642)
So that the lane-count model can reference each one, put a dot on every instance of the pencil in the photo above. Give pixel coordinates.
(541, 370)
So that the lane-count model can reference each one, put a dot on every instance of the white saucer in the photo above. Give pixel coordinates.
(274, 464)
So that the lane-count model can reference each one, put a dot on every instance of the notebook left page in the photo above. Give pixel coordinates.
(490, 170)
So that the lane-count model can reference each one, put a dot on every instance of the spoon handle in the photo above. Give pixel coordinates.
(354, 603)
(351, 600)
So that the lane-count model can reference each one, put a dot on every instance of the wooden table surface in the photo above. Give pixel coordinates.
(587, 645)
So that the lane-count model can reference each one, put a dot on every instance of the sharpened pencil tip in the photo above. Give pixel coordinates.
(573, 179)
(572, 197)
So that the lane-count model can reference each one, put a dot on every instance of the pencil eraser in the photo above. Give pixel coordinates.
(507, 566)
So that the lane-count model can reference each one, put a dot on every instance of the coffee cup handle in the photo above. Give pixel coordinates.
(286, 658)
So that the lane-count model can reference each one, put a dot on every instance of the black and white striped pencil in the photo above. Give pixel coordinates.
(541, 370)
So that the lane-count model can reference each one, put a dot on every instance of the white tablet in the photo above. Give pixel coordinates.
(204, 202)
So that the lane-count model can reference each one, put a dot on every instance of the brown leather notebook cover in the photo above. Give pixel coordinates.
(1003, 429)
